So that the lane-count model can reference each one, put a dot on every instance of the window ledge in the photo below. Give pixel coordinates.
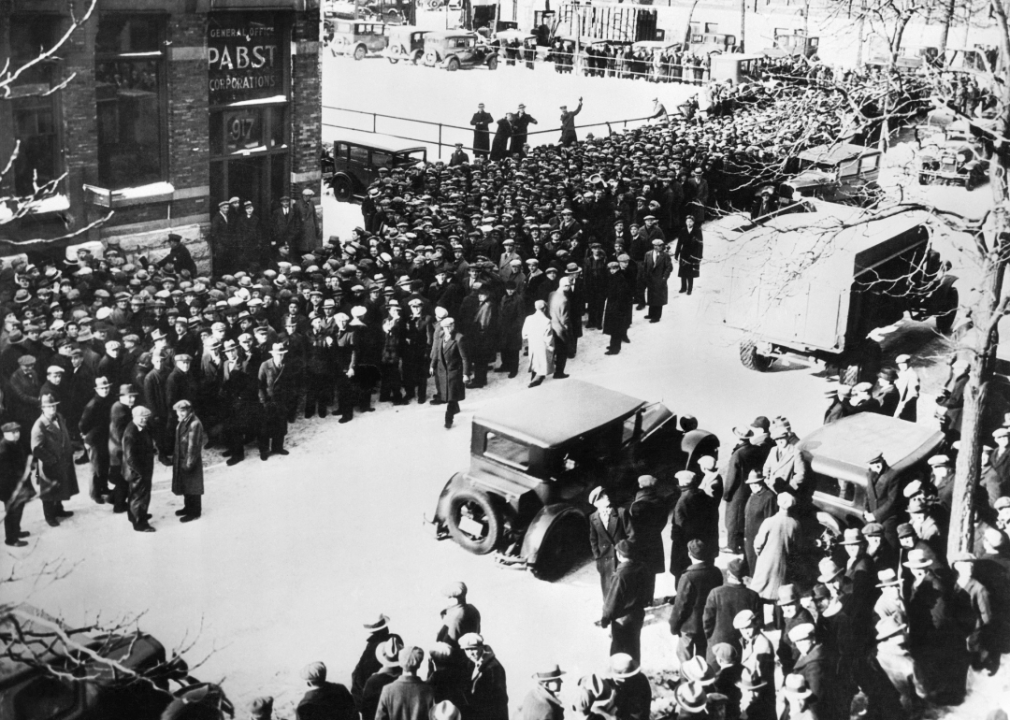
(44, 206)
(125, 197)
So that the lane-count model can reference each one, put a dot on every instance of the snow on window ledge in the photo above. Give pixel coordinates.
(52, 204)
(152, 192)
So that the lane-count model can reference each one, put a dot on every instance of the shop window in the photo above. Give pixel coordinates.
(129, 80)
(33, 112)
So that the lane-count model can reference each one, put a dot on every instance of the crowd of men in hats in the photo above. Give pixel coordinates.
(459, 677)
(878, 620)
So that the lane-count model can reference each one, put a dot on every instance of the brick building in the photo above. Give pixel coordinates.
(171, 107)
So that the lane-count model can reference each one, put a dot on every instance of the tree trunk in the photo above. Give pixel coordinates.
(948, 18)
(690, 17)
(743, 25)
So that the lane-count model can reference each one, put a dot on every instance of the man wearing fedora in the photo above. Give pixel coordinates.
(761, 505)
(631, 590)
(54, 455)
(753, 697)
(792, 614)
(695, 583)
(324, 699)
(368, 664)
(407, 697)
(816, 667)
(275, 392)
(690, 521)
(749, 454)
(632, 692)
(542, 701)
(388, 656)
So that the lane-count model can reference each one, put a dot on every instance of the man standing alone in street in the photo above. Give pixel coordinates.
(138, 467)
(481, 122)
(15, 486)
(450, 366)
(187, 461)
(565, 338)
(624, 607)
(51, 446)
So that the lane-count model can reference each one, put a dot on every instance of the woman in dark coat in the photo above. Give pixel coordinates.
(617, 312)
(500, 144)
(690, 247)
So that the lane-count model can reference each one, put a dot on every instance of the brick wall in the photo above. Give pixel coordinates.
(306, 91)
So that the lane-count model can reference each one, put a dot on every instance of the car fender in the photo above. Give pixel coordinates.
(698, 443)
(445, 61)
(830, 521)
(938, 299)
(457, 482)
(542, 521)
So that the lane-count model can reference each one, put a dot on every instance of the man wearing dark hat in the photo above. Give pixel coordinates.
(607, 527)
(542, 701)
(882, 490)
(138, 467)
(324, 699)
(885, 392)
(724, 603)
(24, 405)
(760, 506)
(120, 416)
(54, 453)
(388, 655)
(630, 592)
(284, 226)
(178, 256)
(481, 122)
(94, 429)
(179, 385)
(222, 228)
(690, 521)
(187, 461)
(693, 588)
(749, 455)
(16, 487)
(275, 391)
(368, 664)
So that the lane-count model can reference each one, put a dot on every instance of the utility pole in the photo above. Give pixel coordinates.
(948, 18)
(577, 30)
(743, 25)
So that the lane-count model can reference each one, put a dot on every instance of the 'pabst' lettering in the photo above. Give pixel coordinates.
(241, 57)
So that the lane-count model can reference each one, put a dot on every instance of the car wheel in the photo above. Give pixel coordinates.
(850, 373)
(395, 53)
(945, 320)
(359, 52)
(431, 58)
(473, 521)
(564, 545)
(452, 65)
(969, 182)
(751, 359)
(492, 63)
(342, 189)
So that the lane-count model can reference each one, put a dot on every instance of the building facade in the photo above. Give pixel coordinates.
(168, 107)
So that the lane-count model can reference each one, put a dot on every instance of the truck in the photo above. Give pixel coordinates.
(815, 279)
(536, 456)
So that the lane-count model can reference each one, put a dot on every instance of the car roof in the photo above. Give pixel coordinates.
(843, 448)
(372, 140)
(836, 153)
(440, 34)
(555, 413)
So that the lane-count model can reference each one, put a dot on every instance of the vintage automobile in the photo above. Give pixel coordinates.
(738, 67)
(816, 282)
(406, 42)
(456, 49)
(356, 157)
(358, 39)
(953, 158)
(835, 462)
(83, 687)
(535, 457)
(840, 173)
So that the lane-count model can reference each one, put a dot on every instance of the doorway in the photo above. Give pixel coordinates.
(259, 179)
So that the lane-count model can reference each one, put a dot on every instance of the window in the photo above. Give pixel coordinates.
(359, 155)
(840, 489)
(381, 159)
(339, 151)
(868, 163)
(631, 425)
(129, 80)
(506, 450)
(33, 114)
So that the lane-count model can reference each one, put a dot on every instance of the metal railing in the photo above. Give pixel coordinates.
(445, 135)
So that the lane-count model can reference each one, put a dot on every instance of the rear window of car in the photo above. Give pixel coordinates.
(834, 487)
(506, 450)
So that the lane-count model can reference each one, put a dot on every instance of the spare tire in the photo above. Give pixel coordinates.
(751, 359)
(473, 521)
(564, 545)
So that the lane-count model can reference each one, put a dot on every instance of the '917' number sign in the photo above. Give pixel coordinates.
(243, 130)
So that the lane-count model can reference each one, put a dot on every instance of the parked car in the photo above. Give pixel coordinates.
(835, 461)
(406, 42)
(815, 283)
(354, 161)
(456, 49)
(63, 682)
(953, 157)
(738, 67)
(839, 172)
(358, 39)
(535, 457)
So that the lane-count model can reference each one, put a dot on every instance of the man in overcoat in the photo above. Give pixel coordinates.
(689, 521)
(94, 429)
(275, 392)
(16, 487)
(568, 136)
(695, 584)
(450, 366)
(54, 453)
(657, 270)
(488, 697)
(187, 461)
(629, 593)
(481, 122)
(722, 606)
(563, 324)
(607, 527)
(647, 516)
(617, 311)
(882, 490)
(138, 467)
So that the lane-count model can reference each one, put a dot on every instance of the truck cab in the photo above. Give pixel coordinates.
(839, 173)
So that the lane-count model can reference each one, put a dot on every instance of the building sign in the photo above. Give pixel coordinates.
(243, 130)
(244, 57)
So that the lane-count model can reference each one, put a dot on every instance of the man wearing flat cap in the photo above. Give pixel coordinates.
(407, 697)
(324, 699)
(178, 256)
(630, 591)
(285, 225)
(458, 617)
(138, 467)
(882, 490)
(16, 487)
(54, 454)
(25, 388)
(690, 521)
(94, 429)
(488, 696)
(187, 461)
(655, 272)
